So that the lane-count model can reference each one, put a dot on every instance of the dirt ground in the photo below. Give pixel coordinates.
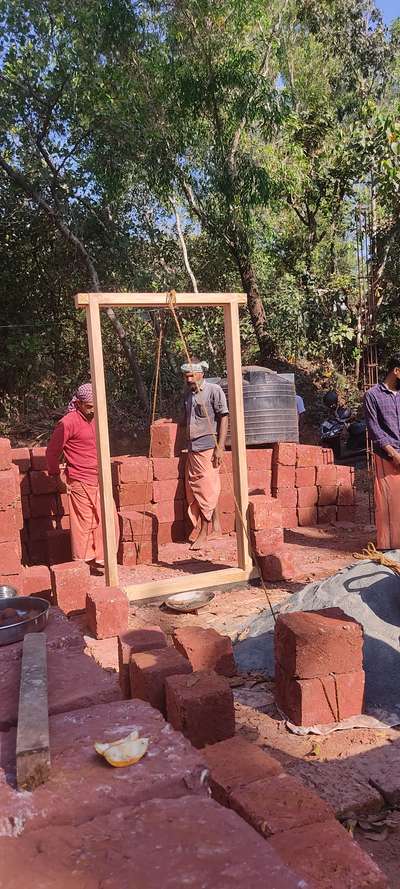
(339, 766)
(345, 754)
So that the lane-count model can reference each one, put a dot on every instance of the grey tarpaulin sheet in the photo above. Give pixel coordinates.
(366, 591)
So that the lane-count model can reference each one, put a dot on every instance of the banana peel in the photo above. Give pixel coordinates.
(125, 752)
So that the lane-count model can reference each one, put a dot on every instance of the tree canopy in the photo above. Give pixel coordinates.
(259, 126)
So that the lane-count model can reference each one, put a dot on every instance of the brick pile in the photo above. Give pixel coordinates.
(319, 678)
(181, 681)
(310, 488)
(289, 485)
(296, 822)
(11, 519)
(77, 829)
(45, 532)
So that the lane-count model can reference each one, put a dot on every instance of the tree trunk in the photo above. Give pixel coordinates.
(19, 179)
(256, 307)
(131, 357)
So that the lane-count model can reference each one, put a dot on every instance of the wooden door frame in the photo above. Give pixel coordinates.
(93, 303)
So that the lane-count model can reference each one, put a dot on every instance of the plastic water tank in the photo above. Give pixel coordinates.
(270, 409)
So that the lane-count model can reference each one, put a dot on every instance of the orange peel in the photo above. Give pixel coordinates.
(125, 752)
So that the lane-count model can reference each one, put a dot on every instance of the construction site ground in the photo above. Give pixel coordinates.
(342, 766)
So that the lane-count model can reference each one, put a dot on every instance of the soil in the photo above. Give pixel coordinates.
(321, 551)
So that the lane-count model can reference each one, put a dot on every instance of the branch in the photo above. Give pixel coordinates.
(23, 183)
(66, 232)
(261, 73)
(297, 211)
(190, 273)
(183, 245)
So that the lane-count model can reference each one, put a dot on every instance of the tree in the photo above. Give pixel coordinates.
(46, 70)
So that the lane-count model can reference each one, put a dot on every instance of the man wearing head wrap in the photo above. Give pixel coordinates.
(206, 417)
(75, 437)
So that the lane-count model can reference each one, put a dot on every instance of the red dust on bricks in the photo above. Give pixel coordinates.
(305, 476)
(236, 763)
(201, 707)
(320, 701)
(307, 516)
(279, 565)
(36, 580)
(5, 454)
(264, 512)
(279, 803)
(132, 642)
(266, 542)
(22, 458)
(205, 649)
(285, 453)
(107, 612)
(314, 643)
(325, 855)
(307, 497)
(69, 583)
(148, 671)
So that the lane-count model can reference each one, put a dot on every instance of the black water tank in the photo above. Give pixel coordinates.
(270, 409)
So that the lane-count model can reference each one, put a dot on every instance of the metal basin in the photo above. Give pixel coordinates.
(34, 613)
(191, 601)
(7, 592)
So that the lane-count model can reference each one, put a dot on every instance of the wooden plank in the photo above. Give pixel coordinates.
(33, 742)
(156, 300)
(204, 581)
(103, 445)
(237, 430)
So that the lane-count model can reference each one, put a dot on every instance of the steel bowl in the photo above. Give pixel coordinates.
(35, 623)
(191, 601)
(8, 592)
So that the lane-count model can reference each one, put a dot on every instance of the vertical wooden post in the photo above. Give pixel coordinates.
(103, 445)
(237, 431)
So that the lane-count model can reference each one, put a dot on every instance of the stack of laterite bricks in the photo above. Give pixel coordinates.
(150, 496)
(310, 488)
(318, 666)
(46, 538)
(187, 682)
(259, 475)
(10, 519)
(168, 471)
(290, 816)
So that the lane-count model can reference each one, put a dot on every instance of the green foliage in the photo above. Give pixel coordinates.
(264, 121)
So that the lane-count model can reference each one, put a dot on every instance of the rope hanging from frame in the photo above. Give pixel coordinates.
(171, 302)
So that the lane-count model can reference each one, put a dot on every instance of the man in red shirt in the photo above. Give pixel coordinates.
(75, 437)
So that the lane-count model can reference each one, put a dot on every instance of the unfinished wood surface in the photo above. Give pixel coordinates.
(150, 300)
(103, 445)
(230, 301)
(33, 743)
(185, 582)
(237, 430)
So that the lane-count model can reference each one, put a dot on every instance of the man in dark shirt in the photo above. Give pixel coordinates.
(382, 414)
(206, 419)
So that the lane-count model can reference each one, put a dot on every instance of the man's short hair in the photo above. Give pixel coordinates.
(393, 362)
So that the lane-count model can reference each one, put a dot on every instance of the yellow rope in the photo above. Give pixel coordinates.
(171, 300)
(374, 555)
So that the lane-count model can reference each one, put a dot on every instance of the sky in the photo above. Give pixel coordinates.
(390, 9)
